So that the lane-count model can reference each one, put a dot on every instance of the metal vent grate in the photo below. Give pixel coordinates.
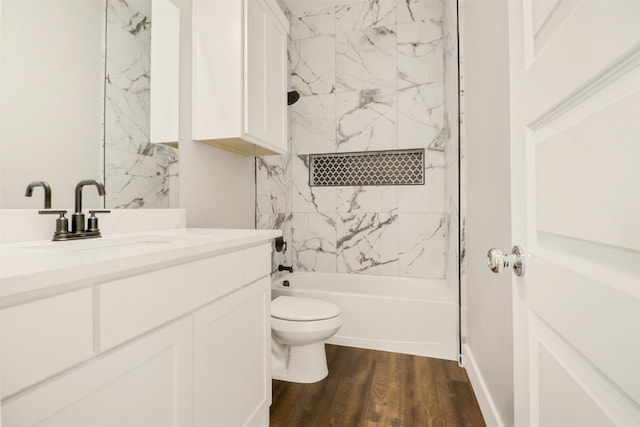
(397, 167)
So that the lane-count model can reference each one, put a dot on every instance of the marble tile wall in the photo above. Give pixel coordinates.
(451, 152)
(371, 76)
(137, 174)
(460, 213)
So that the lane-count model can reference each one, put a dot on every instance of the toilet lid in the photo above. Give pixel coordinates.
(301, 309)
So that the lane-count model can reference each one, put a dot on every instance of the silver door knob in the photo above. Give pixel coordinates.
(498, 260)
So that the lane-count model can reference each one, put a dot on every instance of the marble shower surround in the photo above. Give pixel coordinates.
(452, 150)
(371, 78)
(138, 174)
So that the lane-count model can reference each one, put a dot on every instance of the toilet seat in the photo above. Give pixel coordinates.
(302, 309)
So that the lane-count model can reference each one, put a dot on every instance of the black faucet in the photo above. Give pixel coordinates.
(47, 192)
(77, 219)
(78, 228)
(285, 268)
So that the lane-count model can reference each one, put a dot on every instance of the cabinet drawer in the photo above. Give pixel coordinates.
(134, 305)
(42, 338)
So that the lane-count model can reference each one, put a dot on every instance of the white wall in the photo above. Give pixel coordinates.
(217, 187)
(52, 98)
(488, 351)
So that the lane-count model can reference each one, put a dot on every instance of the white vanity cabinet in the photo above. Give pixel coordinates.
(47, 335)
(232, 348)
(145, 383)
(180, 344)
(240, 75)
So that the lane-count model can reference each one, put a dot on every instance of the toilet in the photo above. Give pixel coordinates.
(299, 327)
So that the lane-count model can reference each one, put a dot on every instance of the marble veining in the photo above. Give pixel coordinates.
(424, 198)
(420, 55)
(137, 174)
(366, 59)
(454, 143)
(314, 242)
(421, 116)
(367, 199)
(313, 23)
(128, 68)
(139, 181)
(312, 63)
(368, 243)
(366, 14)
(313, 124)
(366, 120)
(420, 10)
(372, 76)
(273, 180)
(422, 245)
(305, 198)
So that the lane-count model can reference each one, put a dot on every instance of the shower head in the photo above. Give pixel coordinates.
(292, 97)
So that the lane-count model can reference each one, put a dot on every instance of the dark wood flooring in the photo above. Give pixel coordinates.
(377, 388)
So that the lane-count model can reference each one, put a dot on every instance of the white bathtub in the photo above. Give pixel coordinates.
(404, 315)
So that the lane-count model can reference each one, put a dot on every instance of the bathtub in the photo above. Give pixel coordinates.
(403, 315)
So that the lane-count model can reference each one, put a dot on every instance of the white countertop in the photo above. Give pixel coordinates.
(37, 267)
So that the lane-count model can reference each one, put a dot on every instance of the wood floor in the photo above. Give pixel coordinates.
(376, 388)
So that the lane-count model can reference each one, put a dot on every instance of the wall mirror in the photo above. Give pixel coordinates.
(80, 92)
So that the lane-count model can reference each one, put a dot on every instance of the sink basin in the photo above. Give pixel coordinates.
(105, 244)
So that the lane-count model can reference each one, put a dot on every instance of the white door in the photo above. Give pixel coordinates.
(575, 141)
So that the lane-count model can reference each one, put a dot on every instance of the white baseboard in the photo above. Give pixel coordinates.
(485, 401)
(437, 350)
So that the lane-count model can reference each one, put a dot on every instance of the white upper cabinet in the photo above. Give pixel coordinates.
(240, 75)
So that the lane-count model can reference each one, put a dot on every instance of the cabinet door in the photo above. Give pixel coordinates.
(255, 96)
(146, 383)
(266, 76)
(46, 336)
(232, 359)
(276, 77)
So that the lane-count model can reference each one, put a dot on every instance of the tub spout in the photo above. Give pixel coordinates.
(285, 268)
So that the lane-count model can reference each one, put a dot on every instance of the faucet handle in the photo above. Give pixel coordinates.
(285, 268)
(62, 223)
(92, 221)
(52, 212)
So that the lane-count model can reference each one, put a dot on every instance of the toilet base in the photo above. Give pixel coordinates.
(307, 364)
